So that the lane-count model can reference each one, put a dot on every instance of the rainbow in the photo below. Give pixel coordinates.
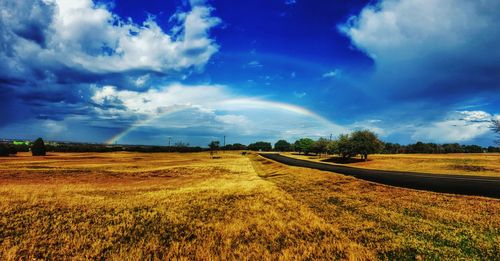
(249, 103)
(231, 104)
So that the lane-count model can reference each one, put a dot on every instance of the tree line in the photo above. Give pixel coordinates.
(39, 148)
(362, 143)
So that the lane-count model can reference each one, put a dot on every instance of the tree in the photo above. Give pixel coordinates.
(365, 142)
(343, 146)
(304, 145)
(38, 148)
(4, 151)
(282, 145)
(452, 148)
(391, 148)
(332, 147)
(495, 126)
(260, 146)
(321, 146)
(493, 149)
(239, 146)
(236, 146)
(472, 149)
(214, 145)
(12, 150)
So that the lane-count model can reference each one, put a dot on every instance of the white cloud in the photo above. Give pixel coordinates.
(142, 80)
(476, 116)
(82, 35)
(459, 126)
(155, 102)
(238, 120)
(396, 27)
(54, 127)
(447, 45)
(254, 64)
(332, 74)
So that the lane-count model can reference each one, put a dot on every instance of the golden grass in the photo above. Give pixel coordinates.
(480, 164)
(187, 206)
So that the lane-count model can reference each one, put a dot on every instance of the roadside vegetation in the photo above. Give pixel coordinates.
(188, 206)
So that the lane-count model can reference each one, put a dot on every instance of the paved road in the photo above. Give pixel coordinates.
(456, 184)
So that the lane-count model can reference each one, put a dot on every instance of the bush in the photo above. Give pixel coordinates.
(38, 148)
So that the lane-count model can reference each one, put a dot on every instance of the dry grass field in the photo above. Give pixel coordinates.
(481, 164)
(188, 206)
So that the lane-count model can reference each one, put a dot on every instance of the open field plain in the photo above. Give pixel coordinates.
(188, 206)
(480, 164)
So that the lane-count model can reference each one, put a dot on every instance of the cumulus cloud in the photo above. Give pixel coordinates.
(459, 126)
(53, 51)
(429, 47)
(40, 38)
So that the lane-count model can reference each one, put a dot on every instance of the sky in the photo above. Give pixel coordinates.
(145, 72)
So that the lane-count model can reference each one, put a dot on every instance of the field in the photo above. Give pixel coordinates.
(480, 164)
(188, 206)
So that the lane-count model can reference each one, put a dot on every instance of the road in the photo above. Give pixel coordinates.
(455, 184)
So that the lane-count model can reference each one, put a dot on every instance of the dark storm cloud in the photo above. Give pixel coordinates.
(35, 16)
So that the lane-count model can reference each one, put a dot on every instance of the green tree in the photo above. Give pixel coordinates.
(321, 146)
(260, 146)
(365, 142)
(38, 148)
(332, 147)
(12, 149)
(282, 145)
(304, 145)
(235, 146)
(343, 146)
(4, 150)
(214, 145)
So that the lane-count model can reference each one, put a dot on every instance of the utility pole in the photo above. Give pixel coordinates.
(224, 146)
(169, 148)
(330, 137)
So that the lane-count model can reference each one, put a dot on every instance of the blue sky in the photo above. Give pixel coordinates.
(139, 72)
